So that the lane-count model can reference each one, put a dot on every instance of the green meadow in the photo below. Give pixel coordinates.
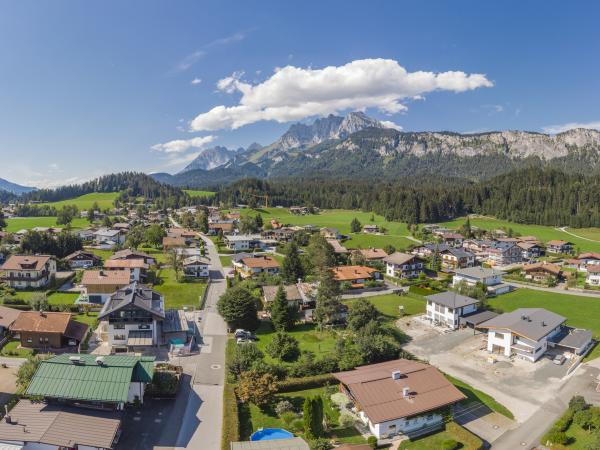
(83, 202)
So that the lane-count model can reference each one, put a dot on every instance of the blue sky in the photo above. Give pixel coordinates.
(88, 88)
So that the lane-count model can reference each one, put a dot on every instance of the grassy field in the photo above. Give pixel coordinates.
(89, 319)
(177, 295)
(340, 219)
(453, 431)
(318, 342)
(388, 304)
(256, 418)
(225, 260)
(62, 298)
(27, 223)
(195, 193)
(83, 202)
(542, 232)
(581, 312)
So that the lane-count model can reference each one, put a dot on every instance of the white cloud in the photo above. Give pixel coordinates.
(179, 146)
(294, 93)
(196, 81)
(390, 124)
(554, 129)
(197, 55)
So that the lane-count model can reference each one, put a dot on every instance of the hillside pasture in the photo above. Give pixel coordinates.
(196, 193)
(84, 202)
(27, 223)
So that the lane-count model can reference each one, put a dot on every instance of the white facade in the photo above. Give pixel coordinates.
(240, 243)
(472, 281)
(404, 270)
(119, 332)
(447, 316)
(593, 278)
(196, 270)
(507, 343)
(399, 426)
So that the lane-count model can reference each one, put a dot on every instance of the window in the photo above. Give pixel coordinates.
(119, 326)
(499, 335)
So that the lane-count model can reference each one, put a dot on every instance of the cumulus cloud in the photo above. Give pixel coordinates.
(555, 129)
(390, 124)
(295, 93)
(179, 146)
(196, 81)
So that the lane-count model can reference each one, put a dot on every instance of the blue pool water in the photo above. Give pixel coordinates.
(270, 434)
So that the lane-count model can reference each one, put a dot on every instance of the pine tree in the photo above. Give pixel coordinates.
(307, 418)
(317, 416)
(329, 304)
(355, 226)
(2, 221)
(292, 268)
(282, 315)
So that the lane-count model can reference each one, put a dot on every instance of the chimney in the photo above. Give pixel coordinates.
(406, 392)
(100, 360)
(396, 375)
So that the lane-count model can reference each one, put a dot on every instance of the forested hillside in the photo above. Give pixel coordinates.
(533, 195)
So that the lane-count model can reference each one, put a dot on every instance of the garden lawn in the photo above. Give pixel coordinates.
(89, 319)
(340, 219)
(11, 349)
(104, 254)
(544, 233)
(179, 294)
(195, 193)
(388, 304)
(473, 395)
(318, 342)
(255, 418)
(86, 201)
(225, 261)
(452, 431)
(27, 223)
(62, 298)
(579, 439)
(581, 312)
(159, 255)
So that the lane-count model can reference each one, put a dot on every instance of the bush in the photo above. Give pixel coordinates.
(283, 406)
(340, 400)
(556, 437)
(346, 420)
(288, 417)
(284, 347)
(449, 444)
(565, 420)
(577, 403)
(372, 441)
(231, 422)
(301, 384)
(297, 426)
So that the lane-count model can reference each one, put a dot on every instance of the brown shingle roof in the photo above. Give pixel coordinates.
(557, 242)
(26, 262)
(348, 273)
(8, 316)
(173, 242)
(399, 258)
(381, 397)
(543, 266)
(264, 262)
(61, 426)
(125, 264)
(116, 277)
(44, 322)
(291, 293)
(373, 253)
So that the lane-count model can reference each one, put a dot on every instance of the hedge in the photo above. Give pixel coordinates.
(300, 384)
(556, 433)
(468, 439)
(231, 421)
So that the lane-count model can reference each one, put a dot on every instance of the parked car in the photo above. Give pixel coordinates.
(244, 334)
(559, 359)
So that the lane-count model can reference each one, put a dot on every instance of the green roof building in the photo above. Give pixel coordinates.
(107, 381)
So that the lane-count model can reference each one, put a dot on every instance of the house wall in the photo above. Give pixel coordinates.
(114, 334)
(54, 340)
(447, 316)
(404, 270)
(593, 279)
(136, 389)
(81, 263)
(403, 425)
(539, 347)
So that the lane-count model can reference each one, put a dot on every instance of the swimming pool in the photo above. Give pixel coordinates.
(271, 434)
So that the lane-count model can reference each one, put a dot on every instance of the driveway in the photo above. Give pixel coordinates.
(528, 390)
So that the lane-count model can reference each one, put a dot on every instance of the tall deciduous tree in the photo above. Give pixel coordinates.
(238, 307)
(329, 304)
(258, 388)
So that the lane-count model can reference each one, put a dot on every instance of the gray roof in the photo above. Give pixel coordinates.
(478, 272)
(531, 323)
(451, 299)
(477, 317)
(574, 338)
(459, 252)
(175, 321)
(135, 294)
(399, 258)
(277, 444)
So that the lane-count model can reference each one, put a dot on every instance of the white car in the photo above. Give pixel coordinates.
(559, 359)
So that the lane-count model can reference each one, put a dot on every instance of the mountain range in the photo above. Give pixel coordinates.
(359, 146)
(14, 188)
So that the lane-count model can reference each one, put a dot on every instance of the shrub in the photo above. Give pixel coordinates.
(372, 441)
(284, 347)
(283, 406)
(340, 400)
(449, 444)
(231, 422)
(297, 426)
(301, 384)
(556, 437)
(577, 403)
(565, 420)
(288, 417)
(346, 420)
(321, 444)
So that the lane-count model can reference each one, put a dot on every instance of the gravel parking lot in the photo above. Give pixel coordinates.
(521, 386)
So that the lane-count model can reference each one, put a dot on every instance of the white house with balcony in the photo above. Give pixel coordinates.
(403, 265)
(491, 278)
(28, 271)
(446, 308)
(524, 332)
